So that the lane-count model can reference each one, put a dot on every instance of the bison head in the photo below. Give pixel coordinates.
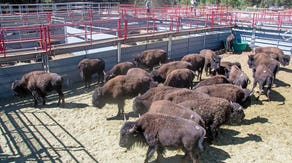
(285, 60)
(139, 105)
(18, 89)
(237, 114)
(250, 61)
(215, 62)
(97, 98)
(129, 135)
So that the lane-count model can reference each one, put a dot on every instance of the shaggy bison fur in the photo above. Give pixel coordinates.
(119, 69)
(39, 83)
(180, 78)
(197, 62)
(161, 131)
(88, 67)
(150, 58)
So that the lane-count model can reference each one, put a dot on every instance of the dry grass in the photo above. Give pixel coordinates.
(80, 132)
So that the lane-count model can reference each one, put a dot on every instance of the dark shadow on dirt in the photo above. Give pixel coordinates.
(210, 154)
(29, 138)
(280, 83)
(257, 119)
(285, 69)
(228, 137)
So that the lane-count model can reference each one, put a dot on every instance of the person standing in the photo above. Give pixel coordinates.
(148, 6)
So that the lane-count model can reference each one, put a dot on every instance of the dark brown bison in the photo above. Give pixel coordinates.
(264, 59)
(88, 67)
(117, 89)
(229, 42)
(212, 61)
(215, 112)
(39, 83)
(218, 79)
(160, 131)
(150, 58)
(197, 62)
(229, 92)
(161, 73)
(169, 108)
(119, 69)
(264, 76)
(275, 53)
(238, 77)
(180, 78)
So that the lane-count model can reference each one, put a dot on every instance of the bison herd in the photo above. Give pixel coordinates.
(173, 111)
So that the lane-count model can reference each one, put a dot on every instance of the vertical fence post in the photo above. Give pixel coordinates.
(125, 29)
(119, 28)
(119, 51)
(169, 46)
(253, 38)
(212, 19)
(178, 23)
(2, 43)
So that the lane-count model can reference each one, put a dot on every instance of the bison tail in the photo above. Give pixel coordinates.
(200, 143)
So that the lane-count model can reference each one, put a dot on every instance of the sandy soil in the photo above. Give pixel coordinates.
(81, 133)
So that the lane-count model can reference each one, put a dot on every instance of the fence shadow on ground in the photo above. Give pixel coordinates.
(29, 138)
(74, 92)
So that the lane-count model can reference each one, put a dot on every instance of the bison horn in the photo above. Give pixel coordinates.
(125, 119)
(133, 129)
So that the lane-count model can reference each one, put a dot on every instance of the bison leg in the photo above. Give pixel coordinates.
(35, 97)
(61, 97)
(150, 152)
(121, 105)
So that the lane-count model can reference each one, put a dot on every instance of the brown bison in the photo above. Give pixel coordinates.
(119, 69)
(212, 61)
(215, 112)
(264, 59)
(229, 41)
(159, 131)
(150, 58)
(39, 83)
(275, 53)
(229, 92)
(120, 88)
(180, 78)
(88, 67)
(218, 79)
(161, 73)
(197, 62)
(238, 77)
(264, 76)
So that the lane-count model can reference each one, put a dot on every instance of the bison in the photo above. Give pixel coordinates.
(197, 62)
(215, 112)
(212, 61)
(218, 79)
(117, 89)
(227, 91)
(180, 78)
(88, 67)
(119, 69)
(275, 53)
(169, 108)
(238, 77)
(229, 41)
(39, 83)
(161, 131)
(161, 73)
(150, 58)
(264, 76)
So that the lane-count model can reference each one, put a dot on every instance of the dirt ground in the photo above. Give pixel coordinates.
(80, 133)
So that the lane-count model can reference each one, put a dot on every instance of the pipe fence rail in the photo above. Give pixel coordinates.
(40, 27)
